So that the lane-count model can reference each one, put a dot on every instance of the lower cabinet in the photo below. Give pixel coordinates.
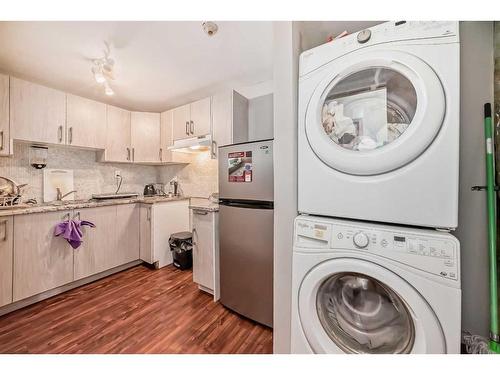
(205, 265)
(158, 222)
(113, 242)
(6, 253)
(41, 261)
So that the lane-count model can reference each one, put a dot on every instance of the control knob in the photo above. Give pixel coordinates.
(361, 240)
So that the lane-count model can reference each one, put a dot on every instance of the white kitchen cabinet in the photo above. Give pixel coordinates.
(127, 234)
(201, 117)
(85, 122)
(118, 135)
(37, 113)
(158, 222)
(98, 249)
(6, 256)
(204, 249)
(145, 132)
(113, 242)
(229, 119)
(41, 260)
(181, 117)
(192, 120)
(4, 116)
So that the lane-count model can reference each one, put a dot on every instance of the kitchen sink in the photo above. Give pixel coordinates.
(114, 196)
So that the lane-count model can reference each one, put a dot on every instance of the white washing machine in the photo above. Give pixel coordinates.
(367, 288)
(379, 125)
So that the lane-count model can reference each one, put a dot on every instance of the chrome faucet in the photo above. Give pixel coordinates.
(61, 196)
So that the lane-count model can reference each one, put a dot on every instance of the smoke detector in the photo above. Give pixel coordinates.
(210, 28)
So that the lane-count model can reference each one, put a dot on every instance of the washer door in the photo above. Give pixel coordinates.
(374, 112)
(355, 306)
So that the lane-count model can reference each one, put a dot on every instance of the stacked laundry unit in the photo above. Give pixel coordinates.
(375, 269)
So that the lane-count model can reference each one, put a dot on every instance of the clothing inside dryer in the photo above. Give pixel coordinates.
(362, 315)
(369, 108)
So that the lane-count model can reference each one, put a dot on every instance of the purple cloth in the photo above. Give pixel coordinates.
(71, 231)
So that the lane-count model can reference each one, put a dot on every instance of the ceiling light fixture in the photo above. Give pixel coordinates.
(210, 28)
(107, 89)
(103, 70)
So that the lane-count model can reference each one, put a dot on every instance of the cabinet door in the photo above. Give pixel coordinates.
(6, 251)
(146, 245)
(166, 136)
(4, 116)
(37, 113)
(203, 249)
(85, 122)
(181, 117)
(98, 250)
(41, 260)
(118, 144)
(222, 118)
(145, 137)
(201, 117)
(127, 234)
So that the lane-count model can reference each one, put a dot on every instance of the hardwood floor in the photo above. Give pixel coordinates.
(135, 311)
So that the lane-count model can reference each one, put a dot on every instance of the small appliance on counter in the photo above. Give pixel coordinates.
(149, 190)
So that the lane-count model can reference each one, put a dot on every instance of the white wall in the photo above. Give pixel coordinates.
(476, 82)
(286, 52)
(260, 118)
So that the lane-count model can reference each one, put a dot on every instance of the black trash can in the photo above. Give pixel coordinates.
(181, 246)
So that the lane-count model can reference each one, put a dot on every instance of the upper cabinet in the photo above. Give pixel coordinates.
(145, 132)
(85, 122)
(201, 117)
(37, 113)
(4, 116)
(192, 120)
(229, 118)
(181, 117)
(118, 135)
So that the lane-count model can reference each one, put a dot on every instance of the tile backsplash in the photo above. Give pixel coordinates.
(198, 178)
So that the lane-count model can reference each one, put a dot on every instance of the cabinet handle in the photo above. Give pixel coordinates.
(1, 144)
(128, 153)
(214, 150)
(148, 217)
(200, 212)
(161, 154)
(133, 153)
(187, 127)
(4, 222)
(191, 127)
(77, 215)
(70, 135)
(60, 133)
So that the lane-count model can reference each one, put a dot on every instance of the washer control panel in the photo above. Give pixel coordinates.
(425, 249)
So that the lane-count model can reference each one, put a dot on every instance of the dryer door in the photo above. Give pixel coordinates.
(355, 306)
(374, 112)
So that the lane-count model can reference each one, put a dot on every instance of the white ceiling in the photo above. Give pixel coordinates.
(158, 65)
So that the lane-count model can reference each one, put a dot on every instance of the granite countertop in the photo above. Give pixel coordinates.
(50, 207)
(203, 204)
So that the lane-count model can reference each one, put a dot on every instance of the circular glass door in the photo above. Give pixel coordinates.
(353, 305)
(374, 112)
(362, 315)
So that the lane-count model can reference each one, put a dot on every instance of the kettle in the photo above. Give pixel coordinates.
(149, 190)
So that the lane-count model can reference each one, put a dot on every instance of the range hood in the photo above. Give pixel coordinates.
(192, 145)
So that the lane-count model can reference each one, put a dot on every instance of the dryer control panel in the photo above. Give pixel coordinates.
(428, 250)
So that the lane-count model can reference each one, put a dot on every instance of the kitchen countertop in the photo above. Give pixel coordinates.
(203, 204)
(50, 207)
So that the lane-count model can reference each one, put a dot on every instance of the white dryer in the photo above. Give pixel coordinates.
(367, 288)
(379, 125)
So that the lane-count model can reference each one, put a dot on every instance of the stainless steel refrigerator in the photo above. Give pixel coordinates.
(246, 201)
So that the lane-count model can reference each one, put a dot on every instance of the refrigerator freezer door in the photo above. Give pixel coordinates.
(246, 171)
(246, 261)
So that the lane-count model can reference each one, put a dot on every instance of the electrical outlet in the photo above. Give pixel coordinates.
(118, 174)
